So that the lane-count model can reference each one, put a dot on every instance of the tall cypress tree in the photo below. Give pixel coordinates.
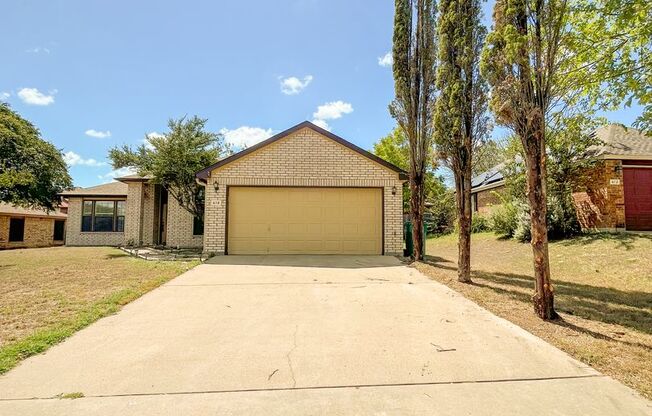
(414, 53)
(461, 110)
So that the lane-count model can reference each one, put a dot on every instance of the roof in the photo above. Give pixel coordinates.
(489, 179)
(29, 212)
(619, 142)
(204, 173)
(111, 189)
(135, 178)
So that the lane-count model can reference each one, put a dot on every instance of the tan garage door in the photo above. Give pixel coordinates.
(304, 220)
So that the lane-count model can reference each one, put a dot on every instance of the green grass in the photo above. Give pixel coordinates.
(96, 282)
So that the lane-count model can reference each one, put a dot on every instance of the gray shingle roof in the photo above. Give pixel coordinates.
(621, 141)
(29, 212)
(107, 189)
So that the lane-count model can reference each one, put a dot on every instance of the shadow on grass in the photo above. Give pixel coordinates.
(632, 309)
(436, 261)
(116, 256)
(622, 240)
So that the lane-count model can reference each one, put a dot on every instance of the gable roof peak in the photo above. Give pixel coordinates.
(204, 173)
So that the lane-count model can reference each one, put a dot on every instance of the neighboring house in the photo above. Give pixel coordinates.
(618, 192)
(25, 227)
(302, 191)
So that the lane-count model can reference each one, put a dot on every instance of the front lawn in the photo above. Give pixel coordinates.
(47, 294)
(603, 292)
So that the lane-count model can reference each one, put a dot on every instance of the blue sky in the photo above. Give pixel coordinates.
(94, 74)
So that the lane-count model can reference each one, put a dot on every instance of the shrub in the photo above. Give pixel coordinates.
(503, 219)
(479, 224)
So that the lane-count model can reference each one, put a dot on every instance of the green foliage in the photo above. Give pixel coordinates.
(503, 219)
(487, 155)
(32, 170)
(440, 213)
(174, 158)
(611, 53)
(414, 67)
(479, 224)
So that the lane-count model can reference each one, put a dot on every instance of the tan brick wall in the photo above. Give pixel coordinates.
(74, 236)
(304, 158)
(487, 200)
(134, 214)
(148, 236)
(39, 232)
(179, 232)
(600, 205)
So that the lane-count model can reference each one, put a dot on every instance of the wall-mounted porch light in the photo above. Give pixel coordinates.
(393, 190)
(216, 186)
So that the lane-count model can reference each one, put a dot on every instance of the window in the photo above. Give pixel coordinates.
(59, 227)
(16, 229)
(198, 222)
(103, 216)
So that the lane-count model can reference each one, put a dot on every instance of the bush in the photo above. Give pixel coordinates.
(479, 224)
(503, 219)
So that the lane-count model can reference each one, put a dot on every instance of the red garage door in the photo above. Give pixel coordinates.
(638, 198)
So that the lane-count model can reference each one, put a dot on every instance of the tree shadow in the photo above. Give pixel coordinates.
(623, 240)
(436, 261)
(631, 309)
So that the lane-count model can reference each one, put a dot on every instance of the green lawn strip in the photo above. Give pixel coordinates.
(11, 354)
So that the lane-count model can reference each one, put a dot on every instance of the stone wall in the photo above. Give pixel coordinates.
(39, 232)
(304, 158)
(600, 201)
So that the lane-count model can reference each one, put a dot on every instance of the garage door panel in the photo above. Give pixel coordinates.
(638, 198)
(304, 220)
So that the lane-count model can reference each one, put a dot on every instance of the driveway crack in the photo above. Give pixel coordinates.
(294, 380)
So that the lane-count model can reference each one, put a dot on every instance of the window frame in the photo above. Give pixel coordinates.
(115, 217)
(22, 234)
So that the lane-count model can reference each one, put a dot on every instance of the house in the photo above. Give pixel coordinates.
(302, 191)
(28, 227)
(618, 192)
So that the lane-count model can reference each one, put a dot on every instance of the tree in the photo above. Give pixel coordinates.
(612, 53)
(174, 158)
(487, 155)
(394, 148)
(461, 111)
(521, 61)
(32, 170)
(414, 68)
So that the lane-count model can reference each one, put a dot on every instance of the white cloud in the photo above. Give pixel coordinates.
(330, 111)
(153, 135)
(116, 173)
(386, 60)
(321, 123)
(98, 134)
(245, 136)
(73, 159)
(4, 95)
(35, 97)
(38, 49)
(293, 85)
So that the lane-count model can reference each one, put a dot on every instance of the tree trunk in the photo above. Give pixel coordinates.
(417, 196)
(536, 192)
(463, 204)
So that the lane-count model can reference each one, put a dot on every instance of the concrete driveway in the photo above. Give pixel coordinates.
(284, 335)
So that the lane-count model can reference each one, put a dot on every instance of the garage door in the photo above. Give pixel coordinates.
(638, 198)
(304, 220)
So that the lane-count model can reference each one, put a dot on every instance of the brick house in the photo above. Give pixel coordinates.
(302, 191)
(618, 193)
(27, 228)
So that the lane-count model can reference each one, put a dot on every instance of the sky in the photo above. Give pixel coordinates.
(94, 74)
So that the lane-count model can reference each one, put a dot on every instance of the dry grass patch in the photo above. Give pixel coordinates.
(49, 293)
(603, 292)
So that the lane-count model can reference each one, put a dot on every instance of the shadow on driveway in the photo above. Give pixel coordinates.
(325, 261)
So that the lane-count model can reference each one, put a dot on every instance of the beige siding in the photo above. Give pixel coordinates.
(74, 236)
(306, 159)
